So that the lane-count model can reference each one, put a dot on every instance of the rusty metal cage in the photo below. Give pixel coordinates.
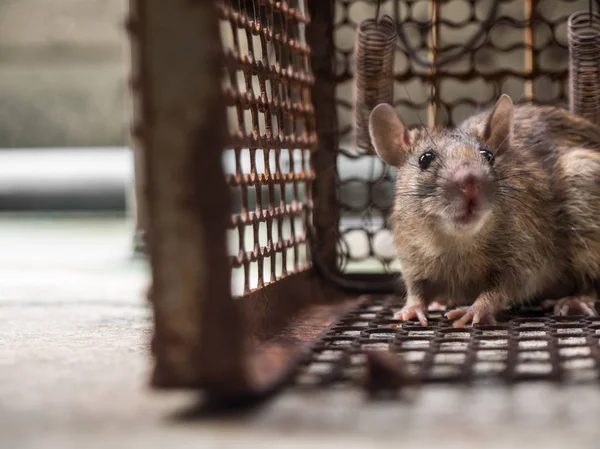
(243, 125)
(269, 169)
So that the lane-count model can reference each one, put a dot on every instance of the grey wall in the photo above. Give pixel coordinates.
(63, 68)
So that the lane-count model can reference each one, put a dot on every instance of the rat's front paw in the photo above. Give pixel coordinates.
(477, 313)
(574, 304)
(412, 311)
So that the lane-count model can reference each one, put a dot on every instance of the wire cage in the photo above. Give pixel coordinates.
(267, 224)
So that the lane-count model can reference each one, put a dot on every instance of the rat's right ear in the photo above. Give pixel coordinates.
(389, 135)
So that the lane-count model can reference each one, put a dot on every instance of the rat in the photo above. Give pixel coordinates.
(499, 211)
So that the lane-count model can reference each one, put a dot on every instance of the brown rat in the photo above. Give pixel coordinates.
(499, 211)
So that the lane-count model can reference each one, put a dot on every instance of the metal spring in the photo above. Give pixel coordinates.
(584, 65)
(374, 54)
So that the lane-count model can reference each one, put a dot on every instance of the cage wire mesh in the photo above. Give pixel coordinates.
(532, 346)
(267, 85)
(524, 53)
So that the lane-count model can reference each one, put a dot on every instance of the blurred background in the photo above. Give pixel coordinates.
(63, 66)
(65, 168)
(63, 121)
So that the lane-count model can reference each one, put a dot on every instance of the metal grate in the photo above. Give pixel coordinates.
(268, 165)
(525, 54)
(534, 346)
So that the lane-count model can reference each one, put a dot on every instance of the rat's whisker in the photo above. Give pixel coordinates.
(502, 197)
(512, 188)
(515, 175)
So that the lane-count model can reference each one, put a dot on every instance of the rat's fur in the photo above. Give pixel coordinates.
(541, 237)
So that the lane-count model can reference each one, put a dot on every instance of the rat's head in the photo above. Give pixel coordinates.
(445, 176)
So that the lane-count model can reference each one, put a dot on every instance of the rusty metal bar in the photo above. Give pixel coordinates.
(182, 133)
(530, 6)
(319, 36)
(434, 11)
(469, 75)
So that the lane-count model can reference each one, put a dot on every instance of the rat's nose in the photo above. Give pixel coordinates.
(469, 184)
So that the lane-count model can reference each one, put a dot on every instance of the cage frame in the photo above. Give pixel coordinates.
(190, 347)
(176, 61)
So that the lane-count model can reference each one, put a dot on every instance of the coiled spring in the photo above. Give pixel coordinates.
(375, 50)
(584, 65)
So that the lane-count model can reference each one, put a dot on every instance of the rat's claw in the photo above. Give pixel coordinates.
(588, 309)
(408, 312)
(476, 314)
(583, 304)
(457, 313)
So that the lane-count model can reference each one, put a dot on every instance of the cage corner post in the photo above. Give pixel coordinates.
(182, 131)
(319, 36)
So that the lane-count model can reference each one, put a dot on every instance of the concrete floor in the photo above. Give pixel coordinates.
(74, 335)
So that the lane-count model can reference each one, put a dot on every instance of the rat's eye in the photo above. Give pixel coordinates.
(487, 155)
(426, 159)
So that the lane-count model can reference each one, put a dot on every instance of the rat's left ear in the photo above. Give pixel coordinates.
(499, 125)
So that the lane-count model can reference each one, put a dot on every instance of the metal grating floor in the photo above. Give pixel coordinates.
(528, 344)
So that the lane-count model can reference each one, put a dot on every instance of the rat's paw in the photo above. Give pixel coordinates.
(411, 311)
(477, 313)
(574, 304)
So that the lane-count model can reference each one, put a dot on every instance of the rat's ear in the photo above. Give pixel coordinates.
(389, 135)
(499, 125)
